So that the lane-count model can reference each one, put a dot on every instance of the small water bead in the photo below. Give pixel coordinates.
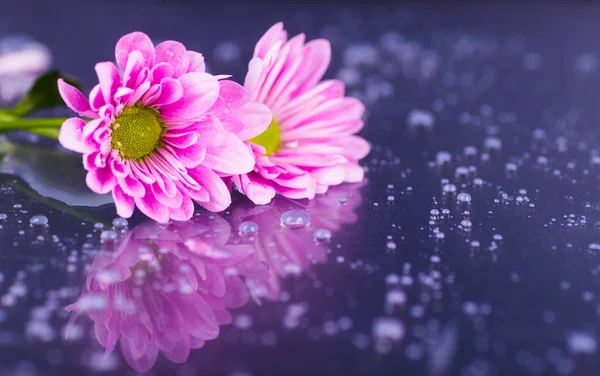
(446, 212)
(294, 219)
(440, 236)
(322, 235)
(17, 206)
(38, 221)
(541, 160)
(492, 143)
(98, 226)
(442, 158)
(391, 245)
(461, 173)
(3, 216)
(434, 213)
(420, 118)
(120, 224)
(466, 224)
(475, 244)
(449, 189)
(108, 236)
(595, 247)
(497, 237)
(470, 151)
(248, 228)
(463, 198)
(342, 200)
(510, 168)
(478, 182)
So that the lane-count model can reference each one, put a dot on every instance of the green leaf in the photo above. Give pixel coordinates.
(43, 94)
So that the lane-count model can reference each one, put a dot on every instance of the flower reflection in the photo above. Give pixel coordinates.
(168, 288)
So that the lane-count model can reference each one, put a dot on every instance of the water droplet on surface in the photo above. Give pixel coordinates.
(248, 228)
(449, 189)
(98, 226)
(294, 219)
(120, 224)
(492, 143)
(443, 157)
(342, 200)
(38, 221)
(420, 118)
(464, 198)
(3, 216)
(322, 235)
(108, 236)
(466, 224)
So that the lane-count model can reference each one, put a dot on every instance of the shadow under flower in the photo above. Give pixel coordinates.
(168, 288)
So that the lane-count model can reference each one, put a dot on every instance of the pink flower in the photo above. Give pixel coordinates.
(163, 132)
(168, 288)
(311, 142)
(164, 289)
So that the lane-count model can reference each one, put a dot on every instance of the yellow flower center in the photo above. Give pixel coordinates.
(269, 139)
(137, 132)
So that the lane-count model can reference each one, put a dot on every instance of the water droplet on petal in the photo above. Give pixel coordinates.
(294, 219)
(248, 228)
(322, 235)
(108, 236)
(120, 224)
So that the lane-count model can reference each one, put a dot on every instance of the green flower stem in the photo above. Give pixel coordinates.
(13, 124)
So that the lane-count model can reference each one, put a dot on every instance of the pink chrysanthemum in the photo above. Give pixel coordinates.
(164, 132)
(311, 142)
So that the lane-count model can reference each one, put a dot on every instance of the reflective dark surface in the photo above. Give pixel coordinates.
(418, 278)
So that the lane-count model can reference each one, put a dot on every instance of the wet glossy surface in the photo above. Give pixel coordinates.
(473, 248)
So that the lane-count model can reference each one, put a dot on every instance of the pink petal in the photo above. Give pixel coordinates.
(275, 34)
(132, 187)
(170, 201)
(120, 168)
(220, 197)
(74, 99)
(150, 206)
(231, 157)
(181, 140)
(124, 203)
(200, 91)
(317, 58)
(132, 42)
(191, 156)
(174, 54)
(355, 147)
(71, 136)
(184, 211)
(252, 120)
(353, 173)
(160, 71)
(332, 175)
(109, 79)
(135, 65)
(96, 98)
(258, 190)
(196, 62)
(100, 180)
(252, 79)
(171, 92)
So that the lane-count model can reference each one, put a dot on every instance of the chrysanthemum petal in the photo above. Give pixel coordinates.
(174, 54)
(108, 76)
(184, 211)
(275, 34)
(74, 99)
(136, 41)
(200, 93)
(220, 197)
(196, 62)
(71, 136)
(125, 204)
(149, 205)
(231, 157)
(100, 180)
